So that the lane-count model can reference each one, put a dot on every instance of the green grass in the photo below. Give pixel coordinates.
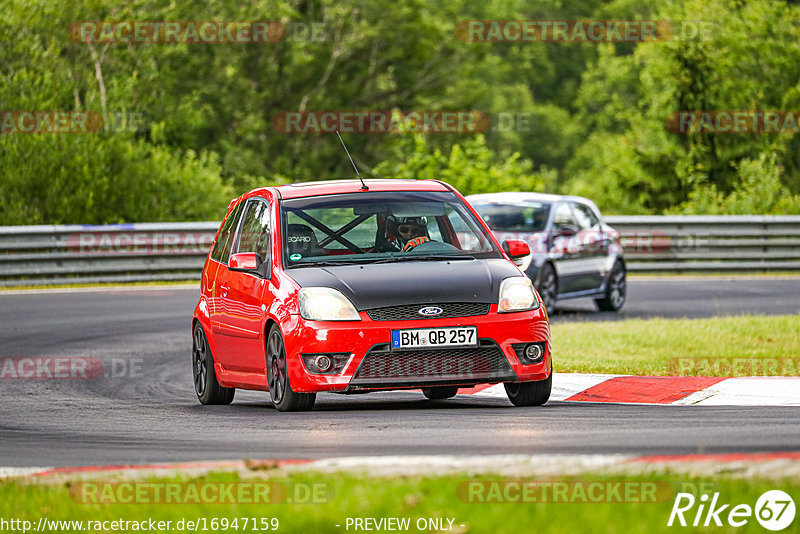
(651, 346)
(412, 497)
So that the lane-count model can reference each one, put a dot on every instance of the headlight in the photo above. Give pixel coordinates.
(326, 304)
(517, 294)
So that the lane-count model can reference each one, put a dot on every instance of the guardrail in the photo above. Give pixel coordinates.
(694, 243)
(37, 255)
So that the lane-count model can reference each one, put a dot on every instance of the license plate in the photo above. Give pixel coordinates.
(456, 336)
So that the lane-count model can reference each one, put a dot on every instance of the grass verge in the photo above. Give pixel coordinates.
(652, 346)
(415, 498)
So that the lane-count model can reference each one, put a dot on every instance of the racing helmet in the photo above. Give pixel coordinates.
(404, 229)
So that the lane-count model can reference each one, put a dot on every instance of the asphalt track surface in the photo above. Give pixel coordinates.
(152, 415)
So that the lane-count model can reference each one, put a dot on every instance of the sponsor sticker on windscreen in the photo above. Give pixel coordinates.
(456, 336)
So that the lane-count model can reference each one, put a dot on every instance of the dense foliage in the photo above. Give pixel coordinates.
(596, 113)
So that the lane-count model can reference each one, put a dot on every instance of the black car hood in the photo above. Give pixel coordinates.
(424, 282)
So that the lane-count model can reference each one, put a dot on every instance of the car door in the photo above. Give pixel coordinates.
(565, 247)
(591, 264)
(242, 294)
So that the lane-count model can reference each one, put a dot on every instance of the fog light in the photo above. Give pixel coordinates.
(533, 352)
(529, 353)
(323, 363)
(330, 363)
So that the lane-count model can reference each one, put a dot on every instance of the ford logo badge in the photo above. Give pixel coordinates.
(430, 310)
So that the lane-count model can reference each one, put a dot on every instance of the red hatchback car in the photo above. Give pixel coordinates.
(348, 288)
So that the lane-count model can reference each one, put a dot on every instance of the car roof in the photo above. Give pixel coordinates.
(512, 197)
(333, 187)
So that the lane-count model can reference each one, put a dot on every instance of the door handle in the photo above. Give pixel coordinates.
(223, 289)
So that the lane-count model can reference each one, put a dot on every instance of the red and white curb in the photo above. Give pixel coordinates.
(158, 469)
(773, 465)
(674, 390)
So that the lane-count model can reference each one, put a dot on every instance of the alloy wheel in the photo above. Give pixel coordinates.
(200, 368)
(548, 287)
(277, 364)
(618, 286)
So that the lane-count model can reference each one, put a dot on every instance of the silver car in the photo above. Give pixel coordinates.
(573, 252)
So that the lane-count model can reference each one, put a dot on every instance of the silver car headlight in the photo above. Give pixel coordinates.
(517, 294)
(326, 304)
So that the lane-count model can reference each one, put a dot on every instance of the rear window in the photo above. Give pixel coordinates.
(222, 246)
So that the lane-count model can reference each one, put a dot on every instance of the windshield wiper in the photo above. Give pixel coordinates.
(394, 259)
(426, 258)
(323, 263)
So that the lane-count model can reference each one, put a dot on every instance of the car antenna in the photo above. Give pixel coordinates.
(363, 185)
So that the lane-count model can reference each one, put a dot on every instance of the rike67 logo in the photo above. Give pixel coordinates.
(774, 510)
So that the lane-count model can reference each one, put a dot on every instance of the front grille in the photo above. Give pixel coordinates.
(382, 367)
(411, 312)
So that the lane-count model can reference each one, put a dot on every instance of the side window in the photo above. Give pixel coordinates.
(470, 238)
(222, 246)
(585, 216)
(254, 235)
(434, 232)
(563, 216)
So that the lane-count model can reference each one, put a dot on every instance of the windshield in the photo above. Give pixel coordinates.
(522, 217)
(381, 227)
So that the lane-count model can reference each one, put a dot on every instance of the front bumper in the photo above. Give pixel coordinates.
(373, 366)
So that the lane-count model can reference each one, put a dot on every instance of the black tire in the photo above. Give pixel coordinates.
(615, 289)
(548, 287)
(280, 388)
(206, 385)
(440, 393)
(530, 393)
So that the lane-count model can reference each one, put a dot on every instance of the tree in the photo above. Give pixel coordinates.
(470, 167)
(747, 62)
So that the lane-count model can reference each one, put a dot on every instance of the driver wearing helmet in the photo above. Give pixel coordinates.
(407, 232)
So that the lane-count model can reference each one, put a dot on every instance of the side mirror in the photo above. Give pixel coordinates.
(244, 261)
(567, 231)
(516, 249)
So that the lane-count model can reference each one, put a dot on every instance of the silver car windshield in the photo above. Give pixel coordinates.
(522, 217)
